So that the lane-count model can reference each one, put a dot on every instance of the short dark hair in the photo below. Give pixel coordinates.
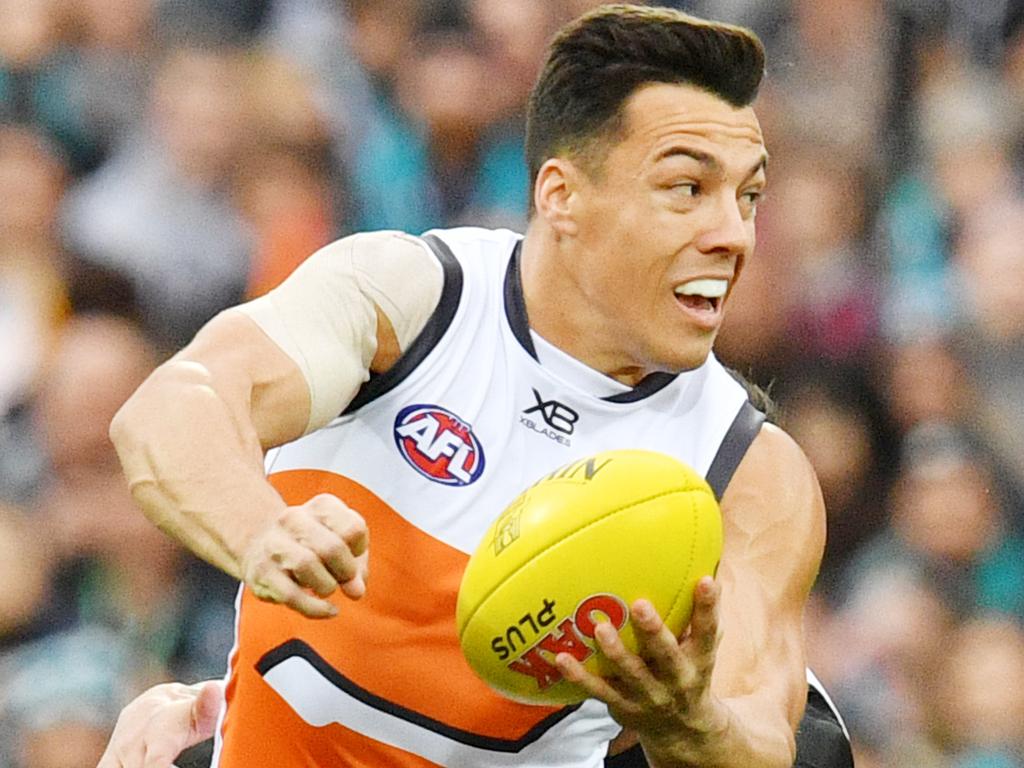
(597, 61)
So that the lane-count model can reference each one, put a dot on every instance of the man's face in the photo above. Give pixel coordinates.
(665, 222)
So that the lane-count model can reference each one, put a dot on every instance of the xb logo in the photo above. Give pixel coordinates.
(555, 414)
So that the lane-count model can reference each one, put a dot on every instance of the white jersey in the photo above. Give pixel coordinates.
(430, 453)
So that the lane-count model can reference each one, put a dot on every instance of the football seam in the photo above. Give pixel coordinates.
(689, 564)
(610, 513)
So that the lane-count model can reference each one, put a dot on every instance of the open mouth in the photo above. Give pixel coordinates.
(703, 296)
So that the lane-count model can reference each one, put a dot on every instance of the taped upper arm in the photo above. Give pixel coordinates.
(324, 316)
(253, 377)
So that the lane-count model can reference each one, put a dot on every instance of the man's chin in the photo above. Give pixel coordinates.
(687, 358)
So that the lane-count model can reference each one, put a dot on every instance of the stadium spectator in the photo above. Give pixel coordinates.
(835, 416)
(62, 698)
(950, 527)
(31, 184)
(439, 157)
(979, 695)
(923, 380)
(965, 128)
(108, 62)
(26, 565)
(877, 654)
(830, 299)
(158, 210)
(117, 571)
(288, 185)
(36, 76)
(987, 260)
(33, 294)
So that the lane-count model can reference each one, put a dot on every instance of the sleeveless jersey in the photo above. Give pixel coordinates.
(430, 453)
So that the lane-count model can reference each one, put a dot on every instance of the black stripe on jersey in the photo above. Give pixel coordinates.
(297, 648)
(820, 739)
(647, 386)
(519, 321)
(437, 324)
(515, 304)
(737, 440)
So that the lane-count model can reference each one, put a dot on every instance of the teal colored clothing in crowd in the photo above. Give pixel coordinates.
(395, 186)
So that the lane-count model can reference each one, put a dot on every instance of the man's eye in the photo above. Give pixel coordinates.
(688, 188)
(753, 197)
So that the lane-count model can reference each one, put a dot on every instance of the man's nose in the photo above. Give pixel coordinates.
(727, 232)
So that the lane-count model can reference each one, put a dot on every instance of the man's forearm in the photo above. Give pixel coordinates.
(194, 467)
(746, 739)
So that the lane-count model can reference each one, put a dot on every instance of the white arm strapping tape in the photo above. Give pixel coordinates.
(323, 316)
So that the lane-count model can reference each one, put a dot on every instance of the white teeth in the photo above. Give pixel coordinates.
(709, 289)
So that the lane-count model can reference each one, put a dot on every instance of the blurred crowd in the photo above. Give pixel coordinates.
(163, 159)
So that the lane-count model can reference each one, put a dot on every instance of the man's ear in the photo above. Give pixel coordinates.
(555, 194)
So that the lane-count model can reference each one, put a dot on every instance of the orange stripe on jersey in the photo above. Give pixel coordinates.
(399, 644)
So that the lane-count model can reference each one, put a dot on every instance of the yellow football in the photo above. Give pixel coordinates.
(579, 547)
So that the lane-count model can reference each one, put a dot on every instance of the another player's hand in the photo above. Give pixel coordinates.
(317, 547)
(664, 692)
(163, 722)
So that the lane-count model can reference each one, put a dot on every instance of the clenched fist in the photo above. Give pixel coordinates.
(319, 546)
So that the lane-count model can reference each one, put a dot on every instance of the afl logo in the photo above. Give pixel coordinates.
(439, 445)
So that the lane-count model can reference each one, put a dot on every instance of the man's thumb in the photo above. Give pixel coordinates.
(206, 709)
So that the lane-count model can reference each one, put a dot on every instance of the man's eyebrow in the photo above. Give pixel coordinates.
(701, 157)
(762, 165)
(708, 161)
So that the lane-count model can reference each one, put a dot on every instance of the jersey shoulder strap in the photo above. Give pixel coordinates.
(742, 432)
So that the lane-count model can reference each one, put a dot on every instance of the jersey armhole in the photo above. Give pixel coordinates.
(438, 322)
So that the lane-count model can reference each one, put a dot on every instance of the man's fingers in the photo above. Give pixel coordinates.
(314, 547)
(597, 687)
(205, 711)
(342, 519)
(302, 563)
(704, 627)
(342, 539)
(655, 641)
(275, 586)
(312, 574)
(355, 587)
(626, 667)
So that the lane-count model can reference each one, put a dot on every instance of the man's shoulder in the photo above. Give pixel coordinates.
(776, 449)
(385, 243)
(476, 240)
(776, 484)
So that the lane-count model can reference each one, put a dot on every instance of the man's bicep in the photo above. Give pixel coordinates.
(352, 307)
(774, 538)
(252, 375)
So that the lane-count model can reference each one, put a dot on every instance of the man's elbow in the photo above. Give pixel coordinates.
(145, 418)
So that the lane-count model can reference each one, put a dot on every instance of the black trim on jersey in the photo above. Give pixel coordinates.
(647, 386)
(297, 648)
(515, 304)
(519, 321)
(737, 440)
(437, 324)
(820, 741)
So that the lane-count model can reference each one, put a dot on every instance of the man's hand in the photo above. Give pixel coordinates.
(319, 546)
(663, 692)
(161, 723)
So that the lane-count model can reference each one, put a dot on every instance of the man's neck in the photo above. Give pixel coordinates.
(559, 311)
